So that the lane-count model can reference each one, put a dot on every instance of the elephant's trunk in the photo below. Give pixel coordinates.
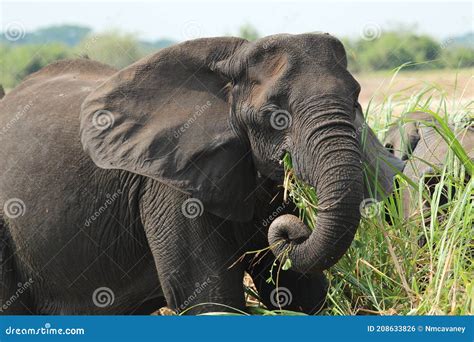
(328, 158)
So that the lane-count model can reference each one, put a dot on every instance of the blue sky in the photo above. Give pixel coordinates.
(182, 20)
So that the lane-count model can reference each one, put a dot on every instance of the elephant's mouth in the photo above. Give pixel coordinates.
(330, 161)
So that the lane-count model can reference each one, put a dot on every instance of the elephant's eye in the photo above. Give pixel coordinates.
(389, 147)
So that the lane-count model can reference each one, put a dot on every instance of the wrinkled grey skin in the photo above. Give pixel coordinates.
(404, 135)
(105, 201)
(414, 139)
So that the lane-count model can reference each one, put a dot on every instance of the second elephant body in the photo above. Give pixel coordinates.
(416, 140)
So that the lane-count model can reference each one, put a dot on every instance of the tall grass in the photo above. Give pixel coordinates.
(422, 264)
(387, 270)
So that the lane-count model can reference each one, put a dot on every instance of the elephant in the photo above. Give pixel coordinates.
(415, 140)
(123, 190)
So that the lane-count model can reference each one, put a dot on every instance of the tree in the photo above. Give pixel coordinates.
(248, 32)
(112, 47)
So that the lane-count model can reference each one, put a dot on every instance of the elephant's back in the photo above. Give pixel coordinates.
(40, 118)
(41, 157)
(39, 128)
(61, 232)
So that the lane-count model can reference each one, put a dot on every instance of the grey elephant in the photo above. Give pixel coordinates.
(415, 140)
(126, 190)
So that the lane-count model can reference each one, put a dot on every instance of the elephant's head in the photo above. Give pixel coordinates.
(206, 115)
(404, 135)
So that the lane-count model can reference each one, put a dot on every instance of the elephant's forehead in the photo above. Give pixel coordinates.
(300, 45)
(433, 149)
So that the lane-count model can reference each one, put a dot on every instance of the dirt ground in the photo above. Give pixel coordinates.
(456, 84)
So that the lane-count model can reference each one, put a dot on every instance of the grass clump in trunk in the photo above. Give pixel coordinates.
(386, 270)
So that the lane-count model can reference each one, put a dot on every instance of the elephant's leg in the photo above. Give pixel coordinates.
(14, 293)
(296, 291)
(192, 255)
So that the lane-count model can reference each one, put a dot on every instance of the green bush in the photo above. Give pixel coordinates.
(458, 57)
(387, 51)
(393, 49)
(18, 61)
(113, 48)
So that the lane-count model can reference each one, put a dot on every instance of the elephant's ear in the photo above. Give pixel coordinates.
(403, 137)
(379, 165)
(410, 131)
(167, 117)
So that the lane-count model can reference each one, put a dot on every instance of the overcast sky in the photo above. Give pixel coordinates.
(182, 20)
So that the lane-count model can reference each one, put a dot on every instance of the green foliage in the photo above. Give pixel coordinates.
(113, 48)
(17, 62)
(388, 51)
(248, 32)
(460, 57)
(394, 48)
(149, 47)
(387, 270)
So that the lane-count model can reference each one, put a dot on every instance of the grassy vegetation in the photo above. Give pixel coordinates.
(385, 51)
(386, 271)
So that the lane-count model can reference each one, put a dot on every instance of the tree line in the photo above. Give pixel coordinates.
(21, 56)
